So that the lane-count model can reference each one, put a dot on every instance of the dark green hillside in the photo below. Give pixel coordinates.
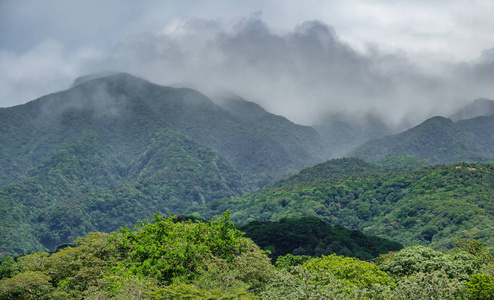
(302, 141)
(84, 187)
(483, 129)
(436, 141)
(431, 206)
(126, 112)
(314, 237)
(113, 149)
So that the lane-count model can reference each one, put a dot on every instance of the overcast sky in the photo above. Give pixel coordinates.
(302, 59)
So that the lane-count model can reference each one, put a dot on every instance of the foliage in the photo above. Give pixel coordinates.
(477, 249)
(432, 206)
(162, 256)
(417, 259)
(192, 292)
(26, 285)
(299, 283)
(351, 270)
(6, 267)
(314, 237)
(432, 285)
(289, 260)
(166, 249)
(186, 258)
(481, 286)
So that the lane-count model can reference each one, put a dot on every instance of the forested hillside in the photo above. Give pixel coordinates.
(313, 237)
(429, 206)
(114, 149)
(126, 112)
(437, 141)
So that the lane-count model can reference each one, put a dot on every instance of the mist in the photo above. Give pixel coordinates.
(306, 73)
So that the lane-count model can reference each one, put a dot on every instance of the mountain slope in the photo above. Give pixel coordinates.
(113, 149)
(126, 111)
(436, 141)
(302, 141)
(84, 187)
(431, 206)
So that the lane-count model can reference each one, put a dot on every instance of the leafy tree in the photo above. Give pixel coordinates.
(354, 271)
(481, 286)
(423, 259)
(433, 285)
(300, 283)
(289, 260)
(26, 285)
(6, 267)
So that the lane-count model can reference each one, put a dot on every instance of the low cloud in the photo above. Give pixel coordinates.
(47, 68)
(304, 74)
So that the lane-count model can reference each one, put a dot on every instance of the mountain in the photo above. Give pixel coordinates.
(114, 149)
(344, 133)
(302, 141)
(85, 187)
(431, 206)
(479, 107)
(126, 112)
(436, 141)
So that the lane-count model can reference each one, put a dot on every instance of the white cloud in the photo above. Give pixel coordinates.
(408, 59)
(44, 69)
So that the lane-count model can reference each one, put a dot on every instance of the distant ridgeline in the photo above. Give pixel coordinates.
(437, 141)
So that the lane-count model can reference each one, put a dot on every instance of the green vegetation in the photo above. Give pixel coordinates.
(436, 141)
(183, 258)
(431, 206)
(113, 150)
(159, 259)
(311, 236)
(80, 189)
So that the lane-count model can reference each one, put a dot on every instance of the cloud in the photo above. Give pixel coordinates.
(44, 69)
(304, 73)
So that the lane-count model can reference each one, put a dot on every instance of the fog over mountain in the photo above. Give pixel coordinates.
(332, 59)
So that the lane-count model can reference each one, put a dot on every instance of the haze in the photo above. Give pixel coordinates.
(302, 59)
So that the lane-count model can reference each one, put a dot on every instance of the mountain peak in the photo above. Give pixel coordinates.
(85, 78)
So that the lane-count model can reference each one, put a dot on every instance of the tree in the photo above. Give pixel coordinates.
(26, 285)
(352, 270)
(416, 259)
